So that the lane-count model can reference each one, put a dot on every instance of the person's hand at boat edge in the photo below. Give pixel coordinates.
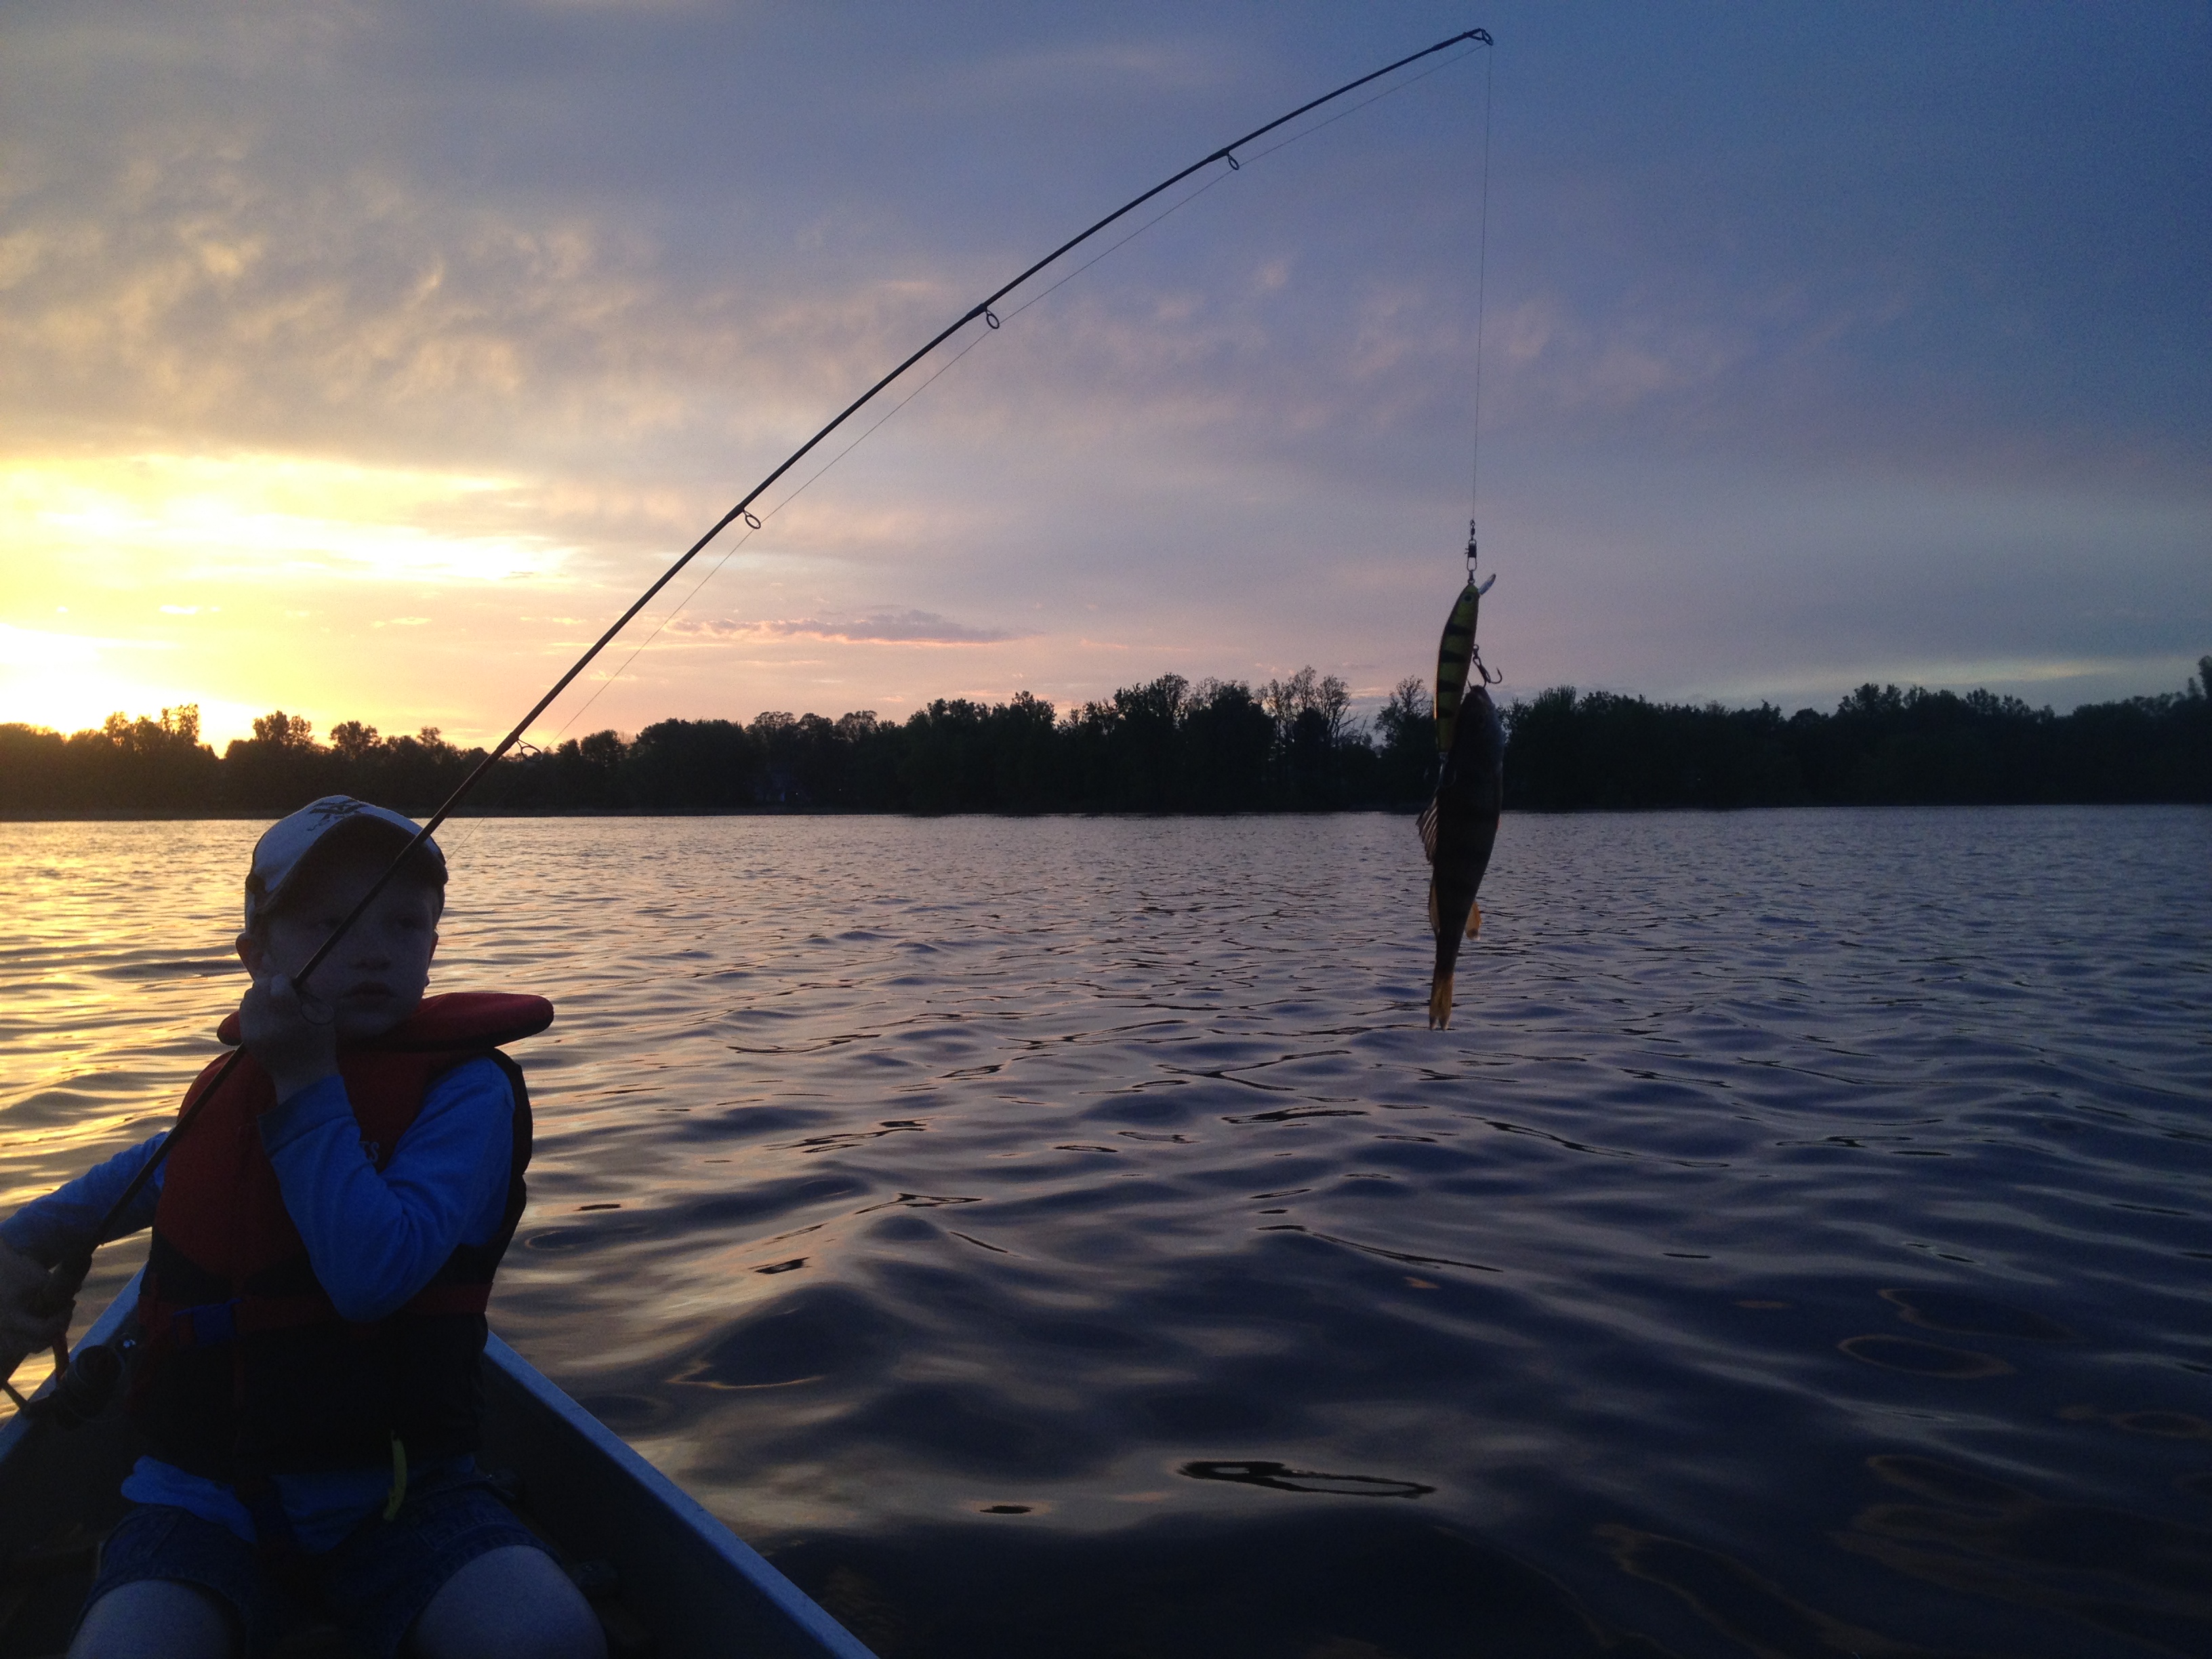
(23, 1329)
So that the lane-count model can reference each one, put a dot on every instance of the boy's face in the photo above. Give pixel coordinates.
(376, 976)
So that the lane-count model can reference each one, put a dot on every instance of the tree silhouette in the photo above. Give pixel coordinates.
(1165, 746)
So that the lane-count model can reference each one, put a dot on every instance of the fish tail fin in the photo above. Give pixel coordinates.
(1440, 1001)
(1473, 919)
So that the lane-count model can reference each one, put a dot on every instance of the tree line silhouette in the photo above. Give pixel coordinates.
(1166, 746)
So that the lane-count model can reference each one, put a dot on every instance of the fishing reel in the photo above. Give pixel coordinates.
(81, 1388)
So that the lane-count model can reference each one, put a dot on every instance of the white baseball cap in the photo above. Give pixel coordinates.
(284, 845)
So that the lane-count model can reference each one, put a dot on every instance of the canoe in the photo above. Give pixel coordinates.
(667, 1578)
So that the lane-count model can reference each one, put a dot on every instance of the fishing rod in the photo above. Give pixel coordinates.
(69, 1275)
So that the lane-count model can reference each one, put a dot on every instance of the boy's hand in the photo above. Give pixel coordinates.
(21, 1329)
(292, 1036)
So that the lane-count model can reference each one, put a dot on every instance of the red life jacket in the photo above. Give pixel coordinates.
(248, 1369)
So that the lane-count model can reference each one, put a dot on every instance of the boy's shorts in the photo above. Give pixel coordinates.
(376, 1583)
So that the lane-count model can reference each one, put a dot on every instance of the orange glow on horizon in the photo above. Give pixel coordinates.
(141, 582)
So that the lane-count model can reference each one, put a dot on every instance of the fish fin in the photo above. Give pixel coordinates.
(1435, 917)
(1473, 919)
(1440, 1003)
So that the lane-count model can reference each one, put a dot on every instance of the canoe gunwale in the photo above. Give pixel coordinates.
(816, 1632)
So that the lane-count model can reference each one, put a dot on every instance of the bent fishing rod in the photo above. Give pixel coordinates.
(67, 1276)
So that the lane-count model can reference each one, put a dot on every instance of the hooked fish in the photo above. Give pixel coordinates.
(1460, 826)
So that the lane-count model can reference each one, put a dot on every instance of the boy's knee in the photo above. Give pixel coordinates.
(508, 1603)
(155, 1618)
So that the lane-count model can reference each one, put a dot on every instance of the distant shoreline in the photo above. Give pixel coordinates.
(1165, 749)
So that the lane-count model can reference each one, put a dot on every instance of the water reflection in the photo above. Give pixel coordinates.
(1906, 1353)
(2167, 1425)
(2131, 1575)
(1747, 1607)
(1973, 1316)
(1279, 1477)
(925, 1196)
(1356, 1582)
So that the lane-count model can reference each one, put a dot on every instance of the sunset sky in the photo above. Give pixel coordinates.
(367, 359)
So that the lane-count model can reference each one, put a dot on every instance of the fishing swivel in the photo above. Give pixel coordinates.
(1492, 577)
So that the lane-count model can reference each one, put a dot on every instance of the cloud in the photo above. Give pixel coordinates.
(1048, 71)
(44, 649)
(259, 514)
(482, 313)
(873, 628)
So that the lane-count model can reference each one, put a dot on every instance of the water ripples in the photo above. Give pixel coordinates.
(1065, 1233)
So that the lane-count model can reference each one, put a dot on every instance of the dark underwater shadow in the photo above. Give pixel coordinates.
(1365, 1586)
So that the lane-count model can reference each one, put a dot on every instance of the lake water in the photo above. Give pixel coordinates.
(1063, 1237)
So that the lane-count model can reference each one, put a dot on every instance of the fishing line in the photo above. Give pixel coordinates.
(1115, 247)
(1410, 81)
(1105, 253)
(685, 604)
(751, 530)
(68, 1275)
(1223, 178)
(1481, 294)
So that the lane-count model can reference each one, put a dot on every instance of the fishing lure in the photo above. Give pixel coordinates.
(1456, 656)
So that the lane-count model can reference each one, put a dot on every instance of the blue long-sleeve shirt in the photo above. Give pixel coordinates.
(375, 1239)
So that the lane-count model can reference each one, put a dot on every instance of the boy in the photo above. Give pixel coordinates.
(324, 1238)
